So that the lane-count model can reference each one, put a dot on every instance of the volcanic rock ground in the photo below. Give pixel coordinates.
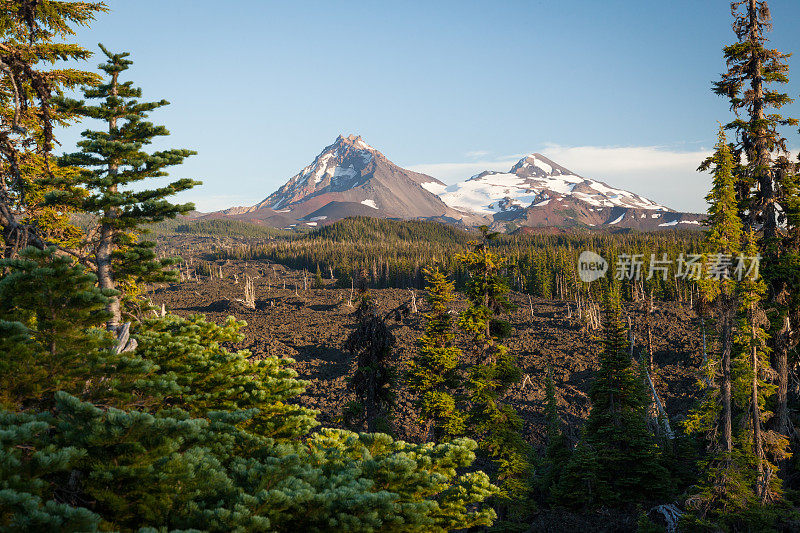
(311, 329)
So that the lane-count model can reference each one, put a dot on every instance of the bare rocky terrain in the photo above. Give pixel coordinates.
(310, 326)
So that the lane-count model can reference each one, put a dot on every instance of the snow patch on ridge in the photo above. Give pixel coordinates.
(361, 144)
(341, 172)
(482, 194)
(434, 187)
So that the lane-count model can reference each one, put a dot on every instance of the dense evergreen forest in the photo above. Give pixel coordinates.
(110, 421)
(218, 227)
(390, 253)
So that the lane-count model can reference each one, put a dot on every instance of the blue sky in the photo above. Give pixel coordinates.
(617, 90)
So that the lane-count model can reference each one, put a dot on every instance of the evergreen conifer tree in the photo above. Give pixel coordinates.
(371, 343)
(752, 390)
(617, 460)
(35, 65)
(318, 284)
(714, 416)
(56, 308)
(557, 453)
(766, 190)
(497, 424)
(432, 375)
(752, 69)
(194, 372)
(111, 161)
(736, 475)
(209, 440)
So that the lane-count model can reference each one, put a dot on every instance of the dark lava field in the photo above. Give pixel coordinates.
(310, 326)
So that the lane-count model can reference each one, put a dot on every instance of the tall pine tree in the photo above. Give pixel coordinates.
(371, 343)
(493, 370)
(110, 162)
(557, 453)
(724, 477)
(36, 64)
(737, 472)
(51, 308)
(766, 188)
(433, 374)
(714, 416)
(752, 70)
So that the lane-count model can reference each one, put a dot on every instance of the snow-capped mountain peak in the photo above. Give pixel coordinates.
(338, 167)
(539, 166)
(349, 178)
(536, 181)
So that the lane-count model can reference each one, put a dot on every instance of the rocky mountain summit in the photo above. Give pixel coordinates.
(348, 178)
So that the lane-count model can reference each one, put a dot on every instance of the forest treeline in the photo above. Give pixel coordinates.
(218, 228)
(395, 254)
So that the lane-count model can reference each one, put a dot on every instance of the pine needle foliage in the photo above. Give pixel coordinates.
(712, 417)
(37, 63)
(617, 462)
(110, 162)
(496, 424)
(371, 343)
(749, 84)
(196, 373)
(768, 198)
(212, 442)
(738, 473)
(433, 373)
(557, 453)
(50, 310)
(753, 390)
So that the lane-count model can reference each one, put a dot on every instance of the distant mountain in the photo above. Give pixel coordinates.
(351, 178)
(539, 192)
(348, 178)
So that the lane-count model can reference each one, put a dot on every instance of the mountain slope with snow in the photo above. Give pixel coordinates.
(347, 178)
(539, 192)
(536, 180)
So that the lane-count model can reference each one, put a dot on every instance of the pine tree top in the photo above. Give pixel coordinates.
(725, 232)
(117, 157)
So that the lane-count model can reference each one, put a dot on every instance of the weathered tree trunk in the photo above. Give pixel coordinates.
(650, 329)
(727, 308)
(660, 408)
(758, 449)
(105, 276)
(782, 340)
(105, 246)
(762, 159)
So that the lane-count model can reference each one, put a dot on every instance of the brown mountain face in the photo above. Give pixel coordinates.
(348, 178)
(568, 212)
